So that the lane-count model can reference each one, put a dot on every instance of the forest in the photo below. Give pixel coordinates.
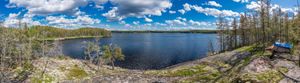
(261, 27)
(52, 32)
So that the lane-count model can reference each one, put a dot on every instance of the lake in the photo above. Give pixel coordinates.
(150, 50)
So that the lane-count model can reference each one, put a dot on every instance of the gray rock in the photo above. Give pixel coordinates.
(257, 65)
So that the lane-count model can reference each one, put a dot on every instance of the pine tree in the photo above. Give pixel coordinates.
(113, 53)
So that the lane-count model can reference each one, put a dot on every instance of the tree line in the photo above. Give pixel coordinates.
(263, 26)
(52, 32)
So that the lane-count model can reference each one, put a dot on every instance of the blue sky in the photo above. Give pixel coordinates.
(128, 14)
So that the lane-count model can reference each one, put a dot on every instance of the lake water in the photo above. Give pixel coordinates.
(150, 50)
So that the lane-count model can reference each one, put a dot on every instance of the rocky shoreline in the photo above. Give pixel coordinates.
(234, 66)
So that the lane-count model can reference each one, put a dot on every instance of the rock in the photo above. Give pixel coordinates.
(284, 63)
(292, 73)
(237, 57)
(257, 65)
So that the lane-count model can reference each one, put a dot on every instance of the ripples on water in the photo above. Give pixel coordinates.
(150, 50)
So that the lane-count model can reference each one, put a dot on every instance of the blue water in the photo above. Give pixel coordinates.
(150, 50)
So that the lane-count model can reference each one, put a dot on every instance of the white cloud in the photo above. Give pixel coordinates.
(136, 8)
(136, 22)
(79, 21)
(181, 11)
(14, 19)
(148, 19)
(194, 23)
(255, 5)
(45, 7)
(241, 1)
(177, 22)
(172, 12)
(122, 22)
(180, 18)
(212, 11)
(213, 3)
(187, 7)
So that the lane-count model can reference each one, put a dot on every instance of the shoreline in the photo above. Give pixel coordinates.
(188, 31)
(70, 38)
(215, 68)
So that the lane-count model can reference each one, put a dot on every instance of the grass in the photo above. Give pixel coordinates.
(76, 72)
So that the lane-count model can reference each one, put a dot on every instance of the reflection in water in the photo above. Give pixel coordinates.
(150, 50)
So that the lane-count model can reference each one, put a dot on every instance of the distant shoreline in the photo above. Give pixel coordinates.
(186, 31)
(81, 37)
(70, 38)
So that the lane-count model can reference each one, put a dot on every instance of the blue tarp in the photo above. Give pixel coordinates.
(283, 45)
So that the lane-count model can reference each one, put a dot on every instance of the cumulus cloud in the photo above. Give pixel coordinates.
(45, 7)
(136, 8)
(79, 21)
(179, 21)
(241, 1)
(148, 19)
(181, 11)
(213, 3)
(212, 11)
(187, 7)
(14, 19)
(255, 5)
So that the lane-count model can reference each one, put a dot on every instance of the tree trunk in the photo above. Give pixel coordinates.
(112, 63)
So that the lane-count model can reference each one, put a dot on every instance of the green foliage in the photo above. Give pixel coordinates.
(118, 53)
(52, 32)
(76, 72)
(112, 53)
(107, 52)
(246, 48)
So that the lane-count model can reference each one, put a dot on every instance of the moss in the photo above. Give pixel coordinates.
(271, 76)
(188, 71)
(76, 72)
(202, 77)
(45, 79)
(283, 69)
(221, 64)
(199, 73)
(246, 48)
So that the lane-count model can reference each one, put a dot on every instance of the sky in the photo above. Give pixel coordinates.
(129, 14)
